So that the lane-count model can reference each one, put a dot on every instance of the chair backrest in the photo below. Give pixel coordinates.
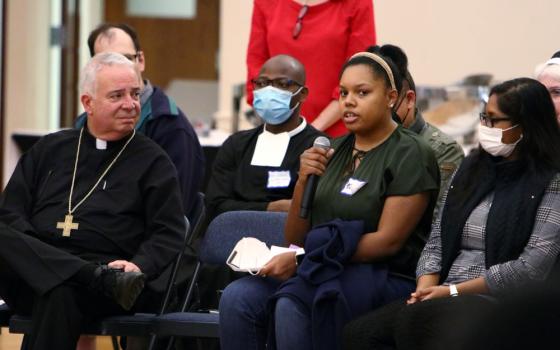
(228, 228)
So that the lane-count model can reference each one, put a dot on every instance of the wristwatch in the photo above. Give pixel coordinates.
(453, 290)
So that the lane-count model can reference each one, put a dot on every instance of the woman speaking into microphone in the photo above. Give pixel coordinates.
(368, 223)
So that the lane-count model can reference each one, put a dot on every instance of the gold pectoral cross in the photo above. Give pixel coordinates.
(67, 225)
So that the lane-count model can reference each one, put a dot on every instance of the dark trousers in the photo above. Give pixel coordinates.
(59, 315)
(430, 324)
(35, 279)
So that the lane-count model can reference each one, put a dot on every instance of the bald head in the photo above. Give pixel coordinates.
(284, 66)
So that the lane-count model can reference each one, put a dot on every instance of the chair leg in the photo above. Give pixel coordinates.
(153, 340)
(170, 343)
(199, 344)
(115, 342)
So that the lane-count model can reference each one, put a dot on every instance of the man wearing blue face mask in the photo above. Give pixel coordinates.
(257, 169)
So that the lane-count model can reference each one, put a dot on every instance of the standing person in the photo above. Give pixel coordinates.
(82, 230)
(498, 230)
(160, 119)
(448, 153)
(381, 182)
(321, 34)
(548, 74)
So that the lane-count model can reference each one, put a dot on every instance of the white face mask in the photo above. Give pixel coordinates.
(491, 140)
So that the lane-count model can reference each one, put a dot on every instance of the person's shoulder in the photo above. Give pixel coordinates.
(164, 105)
(59, 136)
(310, 132)
(264, 4)
(355, 5)
(64, 134)
(55, 141)
(554, 185)
(244, 135)
(145, 143)
(407, 138)
(431, 132)
(153, 158)
(166, 115)
(407, 146)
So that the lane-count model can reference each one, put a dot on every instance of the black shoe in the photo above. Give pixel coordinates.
(122, 287)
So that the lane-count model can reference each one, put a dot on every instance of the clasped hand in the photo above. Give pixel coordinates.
(127, 266)
(427, 293)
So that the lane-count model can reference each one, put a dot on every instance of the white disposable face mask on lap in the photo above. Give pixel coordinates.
(249, 255)
(491, 141)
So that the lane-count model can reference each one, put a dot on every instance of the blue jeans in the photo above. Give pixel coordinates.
(292, 325)
(244, 318)
(243, 314)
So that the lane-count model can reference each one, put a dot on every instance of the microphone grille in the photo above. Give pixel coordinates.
(322, 142)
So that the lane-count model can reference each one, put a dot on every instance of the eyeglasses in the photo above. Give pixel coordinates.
(486, 120)
(298, 26)
(131, 57)
(280, 83)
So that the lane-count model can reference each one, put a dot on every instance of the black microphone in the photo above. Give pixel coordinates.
(311, 185)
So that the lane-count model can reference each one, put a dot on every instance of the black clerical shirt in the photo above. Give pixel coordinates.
(135, 212)
(238, 185)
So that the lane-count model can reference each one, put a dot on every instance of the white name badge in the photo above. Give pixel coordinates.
(278, 179)
(352, 186)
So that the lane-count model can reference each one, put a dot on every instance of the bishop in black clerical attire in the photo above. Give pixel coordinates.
(89, 215)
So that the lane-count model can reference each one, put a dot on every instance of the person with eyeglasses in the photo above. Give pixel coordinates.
(257, 169)
(368, 223)
(499, 228)
(321, 34)
(161, 119)
(548, 74)
(448, 153)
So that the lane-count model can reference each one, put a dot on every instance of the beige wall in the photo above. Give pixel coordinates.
(26, 84)
(450, 39)
(445, 40)
(27, 68)
(235, 22)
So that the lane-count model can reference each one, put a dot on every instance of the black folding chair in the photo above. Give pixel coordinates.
(218, 242)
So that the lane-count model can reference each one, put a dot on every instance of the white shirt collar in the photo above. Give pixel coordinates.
(100, 144)
(292, 132)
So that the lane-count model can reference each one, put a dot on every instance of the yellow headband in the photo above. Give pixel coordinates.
(381, 62)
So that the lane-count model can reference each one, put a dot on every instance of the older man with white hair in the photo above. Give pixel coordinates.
(89, 215)
(548, 74)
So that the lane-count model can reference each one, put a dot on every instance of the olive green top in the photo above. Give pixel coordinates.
(449, 154)
(402, 165)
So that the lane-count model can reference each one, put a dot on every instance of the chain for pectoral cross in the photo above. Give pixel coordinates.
(67, 226)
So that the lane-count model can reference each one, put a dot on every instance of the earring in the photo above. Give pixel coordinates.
(391, 105)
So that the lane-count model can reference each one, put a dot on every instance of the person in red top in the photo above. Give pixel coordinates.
(322, 34)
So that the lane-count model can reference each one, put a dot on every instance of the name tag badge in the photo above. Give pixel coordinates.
(352, 186)
(278, 179)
